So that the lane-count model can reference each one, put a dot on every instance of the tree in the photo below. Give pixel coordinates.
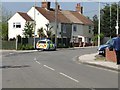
(48, 30)
(107, 27)
(4, 32)
(28, 30)
(3, 23)
(95, 21)
(41, 32)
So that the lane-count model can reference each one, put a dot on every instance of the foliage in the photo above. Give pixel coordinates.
(4, 30)
(95, 38)
(28, 30)
(25, 47)
(95, 21)
(41, 32)
(107, 27)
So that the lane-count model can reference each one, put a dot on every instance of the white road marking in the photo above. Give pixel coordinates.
(49, 67)
(69, 77)
(38, 62)
(35, 59)
(11, 53)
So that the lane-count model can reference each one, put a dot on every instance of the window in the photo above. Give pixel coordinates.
(64, 28)
(13, 25)
(74, 28)
(89, 29)
(17, 25)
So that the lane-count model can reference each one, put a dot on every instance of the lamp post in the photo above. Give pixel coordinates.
(117, 27)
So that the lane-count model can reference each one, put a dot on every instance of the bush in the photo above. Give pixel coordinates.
(25, 47)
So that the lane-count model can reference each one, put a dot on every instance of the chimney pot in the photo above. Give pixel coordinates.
(46, 4)
(79, 8)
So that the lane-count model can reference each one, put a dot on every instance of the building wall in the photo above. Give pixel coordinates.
(12, 32)
(87, 32)
(58, 29)
(79, 30)
(66, 30)
(39, 18)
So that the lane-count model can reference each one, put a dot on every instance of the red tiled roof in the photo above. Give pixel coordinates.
(82, 18)
(25, 16)
(65, 16)
(50, 15)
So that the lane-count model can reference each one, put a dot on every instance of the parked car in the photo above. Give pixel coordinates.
(103, 47)
(45, 44)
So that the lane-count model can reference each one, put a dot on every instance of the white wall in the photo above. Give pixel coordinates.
(12, 32)
(39, 18)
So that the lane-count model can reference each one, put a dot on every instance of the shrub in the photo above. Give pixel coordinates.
(25, 47)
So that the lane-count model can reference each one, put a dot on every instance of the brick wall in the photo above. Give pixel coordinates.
(110, 55)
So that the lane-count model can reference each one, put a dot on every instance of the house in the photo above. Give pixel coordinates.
(71, 25)
(16, 24)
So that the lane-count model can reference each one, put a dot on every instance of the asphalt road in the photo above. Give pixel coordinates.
(54, 69)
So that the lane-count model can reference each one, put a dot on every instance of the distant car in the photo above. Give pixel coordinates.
(45, 44)
(103, 47)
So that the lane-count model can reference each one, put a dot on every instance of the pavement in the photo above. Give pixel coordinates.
(89, 59)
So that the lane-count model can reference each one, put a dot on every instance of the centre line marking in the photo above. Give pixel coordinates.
(69, 77)
(49, 67)
(38, 62)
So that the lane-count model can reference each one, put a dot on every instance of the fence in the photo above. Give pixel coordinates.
(11, 45)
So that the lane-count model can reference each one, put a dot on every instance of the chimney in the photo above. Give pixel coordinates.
(79, 8)
(46, 4)
(58, 7)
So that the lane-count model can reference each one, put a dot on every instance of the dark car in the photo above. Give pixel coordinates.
(102, 48)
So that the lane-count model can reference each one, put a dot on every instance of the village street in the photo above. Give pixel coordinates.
(54, 69)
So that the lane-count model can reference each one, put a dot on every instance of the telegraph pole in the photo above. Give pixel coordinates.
(110, 21)
(56, 23)
(34, 23)
(99, 26)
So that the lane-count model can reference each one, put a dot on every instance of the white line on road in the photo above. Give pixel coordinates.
(38, 62)
(49, 67)
(69, 77)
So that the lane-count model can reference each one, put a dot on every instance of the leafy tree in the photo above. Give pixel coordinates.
(28, 30)
(5, 16)
(107, 27)
(4, 31)
(48, 30)
(95, 21)
(41, 32)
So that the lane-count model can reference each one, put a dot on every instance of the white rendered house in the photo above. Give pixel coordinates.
(70, 24)
(17, 23)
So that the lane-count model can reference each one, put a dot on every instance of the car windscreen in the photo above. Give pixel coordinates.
(110, 41)
(41, 41)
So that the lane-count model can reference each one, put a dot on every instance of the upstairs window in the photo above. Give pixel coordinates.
(64, 28)
(17, 25)
(90, 29)
(75, 28)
